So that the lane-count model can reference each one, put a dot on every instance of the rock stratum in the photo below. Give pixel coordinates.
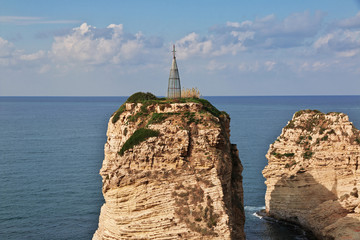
(170, 172)
(312, 176)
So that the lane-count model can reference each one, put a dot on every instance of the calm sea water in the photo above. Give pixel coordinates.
(51, 150)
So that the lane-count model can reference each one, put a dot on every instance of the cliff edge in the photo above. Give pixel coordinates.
(170, 172)
(312, 176)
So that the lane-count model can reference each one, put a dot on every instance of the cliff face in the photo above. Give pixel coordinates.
(312, 176)
(181, 181)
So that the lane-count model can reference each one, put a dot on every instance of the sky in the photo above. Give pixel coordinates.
(224, 48)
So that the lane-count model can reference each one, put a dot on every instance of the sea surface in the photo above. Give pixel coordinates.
(51, 150)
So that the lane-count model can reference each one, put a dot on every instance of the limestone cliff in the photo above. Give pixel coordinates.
(178, 178)
(312, 176)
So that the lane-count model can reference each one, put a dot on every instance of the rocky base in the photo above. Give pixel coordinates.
(185, 182)
(312, 177)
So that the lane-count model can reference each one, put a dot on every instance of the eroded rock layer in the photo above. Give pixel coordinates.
(312, 176)
(185, 182)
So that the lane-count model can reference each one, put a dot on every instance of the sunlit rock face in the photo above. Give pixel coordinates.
(183, 183)
(312, 176)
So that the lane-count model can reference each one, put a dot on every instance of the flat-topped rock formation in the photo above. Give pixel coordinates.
(170, 172)
(312, 176)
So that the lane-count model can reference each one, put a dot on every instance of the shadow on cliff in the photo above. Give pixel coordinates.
(300, 199)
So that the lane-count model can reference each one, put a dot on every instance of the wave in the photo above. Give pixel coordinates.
(257, 215)
(253, 208)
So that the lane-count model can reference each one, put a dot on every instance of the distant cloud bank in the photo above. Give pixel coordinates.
(300, 43)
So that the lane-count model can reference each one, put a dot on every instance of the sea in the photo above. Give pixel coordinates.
(52, 148)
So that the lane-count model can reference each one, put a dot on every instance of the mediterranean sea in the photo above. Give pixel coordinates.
(51, 151)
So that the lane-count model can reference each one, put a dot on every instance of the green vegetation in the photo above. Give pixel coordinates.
(148, 98)
(308, 154)
(207, 106)
(118, 113)
(157, 118)
(289, 165)
(325, 138)
(291, 124)
(332, 131)
(310, 123)
(280, 155)
(139, 136)
(299, 113)
(141, 97)
(322, 130)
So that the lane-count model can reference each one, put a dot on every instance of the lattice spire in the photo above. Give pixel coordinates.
(174, 88)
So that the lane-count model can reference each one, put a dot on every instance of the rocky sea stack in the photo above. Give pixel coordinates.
(170, 172)
(313, 175)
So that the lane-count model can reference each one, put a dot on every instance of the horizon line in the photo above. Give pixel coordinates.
(79, 96)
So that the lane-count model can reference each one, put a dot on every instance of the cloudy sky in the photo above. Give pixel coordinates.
(238, 48)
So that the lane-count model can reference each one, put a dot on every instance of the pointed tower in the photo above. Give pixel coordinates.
(174, 88)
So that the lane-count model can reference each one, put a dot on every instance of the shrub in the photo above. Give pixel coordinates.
(325, 138)
(308, 154)
(321, 130)
(118, 113)
(139, 136)
(291, 124)
(288, 154)
(141, 97)
(280, 155)
(332, 131)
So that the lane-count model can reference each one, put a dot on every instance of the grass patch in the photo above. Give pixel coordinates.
(160, 117)
(148, 98)
(207, 106)
(139, 136)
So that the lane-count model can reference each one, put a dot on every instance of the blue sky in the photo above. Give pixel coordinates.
(115, 48)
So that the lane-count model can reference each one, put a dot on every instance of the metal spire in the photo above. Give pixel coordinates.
(174, 88)
(173, 51)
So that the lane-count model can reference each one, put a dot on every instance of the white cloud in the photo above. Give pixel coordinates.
(238, 25)
(350, 53)
(323, 41)
(352, 22)
(8, 53)
(6, 48)
(270, 65)
(249, 66)
(268, 32)
(191, 45)
(318, 65)
(216, 66)
(34, 56)
(86, 44)
(343, 43)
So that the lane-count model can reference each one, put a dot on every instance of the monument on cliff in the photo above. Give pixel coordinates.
(174, 88)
